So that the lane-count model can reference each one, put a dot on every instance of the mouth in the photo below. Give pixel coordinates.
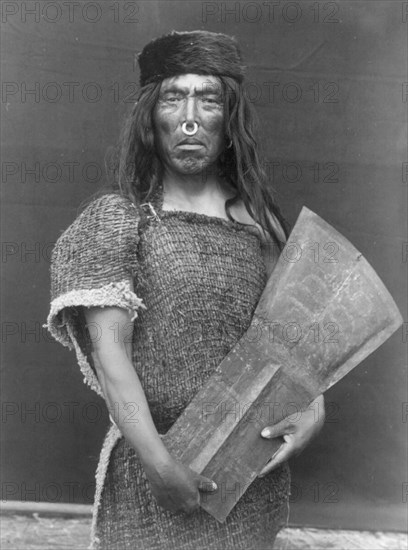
(190, 143)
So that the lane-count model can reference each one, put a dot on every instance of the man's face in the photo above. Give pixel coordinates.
(190, 99)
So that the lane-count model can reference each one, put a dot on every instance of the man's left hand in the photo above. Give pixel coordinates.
(297, 433)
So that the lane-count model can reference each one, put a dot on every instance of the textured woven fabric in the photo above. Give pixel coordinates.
(129, 517)
(200, 279)
(93, 263)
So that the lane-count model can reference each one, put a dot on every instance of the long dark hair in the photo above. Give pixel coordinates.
(136, 169)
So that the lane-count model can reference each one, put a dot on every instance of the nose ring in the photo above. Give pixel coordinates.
(189, 128)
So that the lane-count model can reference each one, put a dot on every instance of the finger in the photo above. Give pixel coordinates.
(284, 452)
(281, 428)
(206, 485)
(273, 462)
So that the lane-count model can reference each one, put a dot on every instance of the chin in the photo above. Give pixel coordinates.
(192, 165)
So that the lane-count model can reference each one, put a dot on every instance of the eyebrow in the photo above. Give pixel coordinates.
(184, 90)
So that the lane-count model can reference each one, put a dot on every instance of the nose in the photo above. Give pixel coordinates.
(190, 113)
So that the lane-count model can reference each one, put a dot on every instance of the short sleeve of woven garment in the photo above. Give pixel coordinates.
(93, 263)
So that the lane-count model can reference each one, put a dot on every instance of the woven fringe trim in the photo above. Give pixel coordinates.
(112, 437)
(90, 377)
(117, 294)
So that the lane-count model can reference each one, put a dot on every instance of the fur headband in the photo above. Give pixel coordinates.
(197, 52)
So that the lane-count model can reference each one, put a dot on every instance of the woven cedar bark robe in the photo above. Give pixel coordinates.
(192, 283)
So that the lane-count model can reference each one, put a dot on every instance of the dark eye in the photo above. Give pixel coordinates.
(172, 98)
(211, 100)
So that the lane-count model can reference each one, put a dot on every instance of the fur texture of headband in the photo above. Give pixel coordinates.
(197, 52)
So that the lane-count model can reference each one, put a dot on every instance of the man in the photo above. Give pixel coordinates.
(169, 270)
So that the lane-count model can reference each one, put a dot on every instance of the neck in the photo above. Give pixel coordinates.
(190, 187)
(204, 193)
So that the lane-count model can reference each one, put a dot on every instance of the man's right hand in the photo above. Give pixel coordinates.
(175, 486)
